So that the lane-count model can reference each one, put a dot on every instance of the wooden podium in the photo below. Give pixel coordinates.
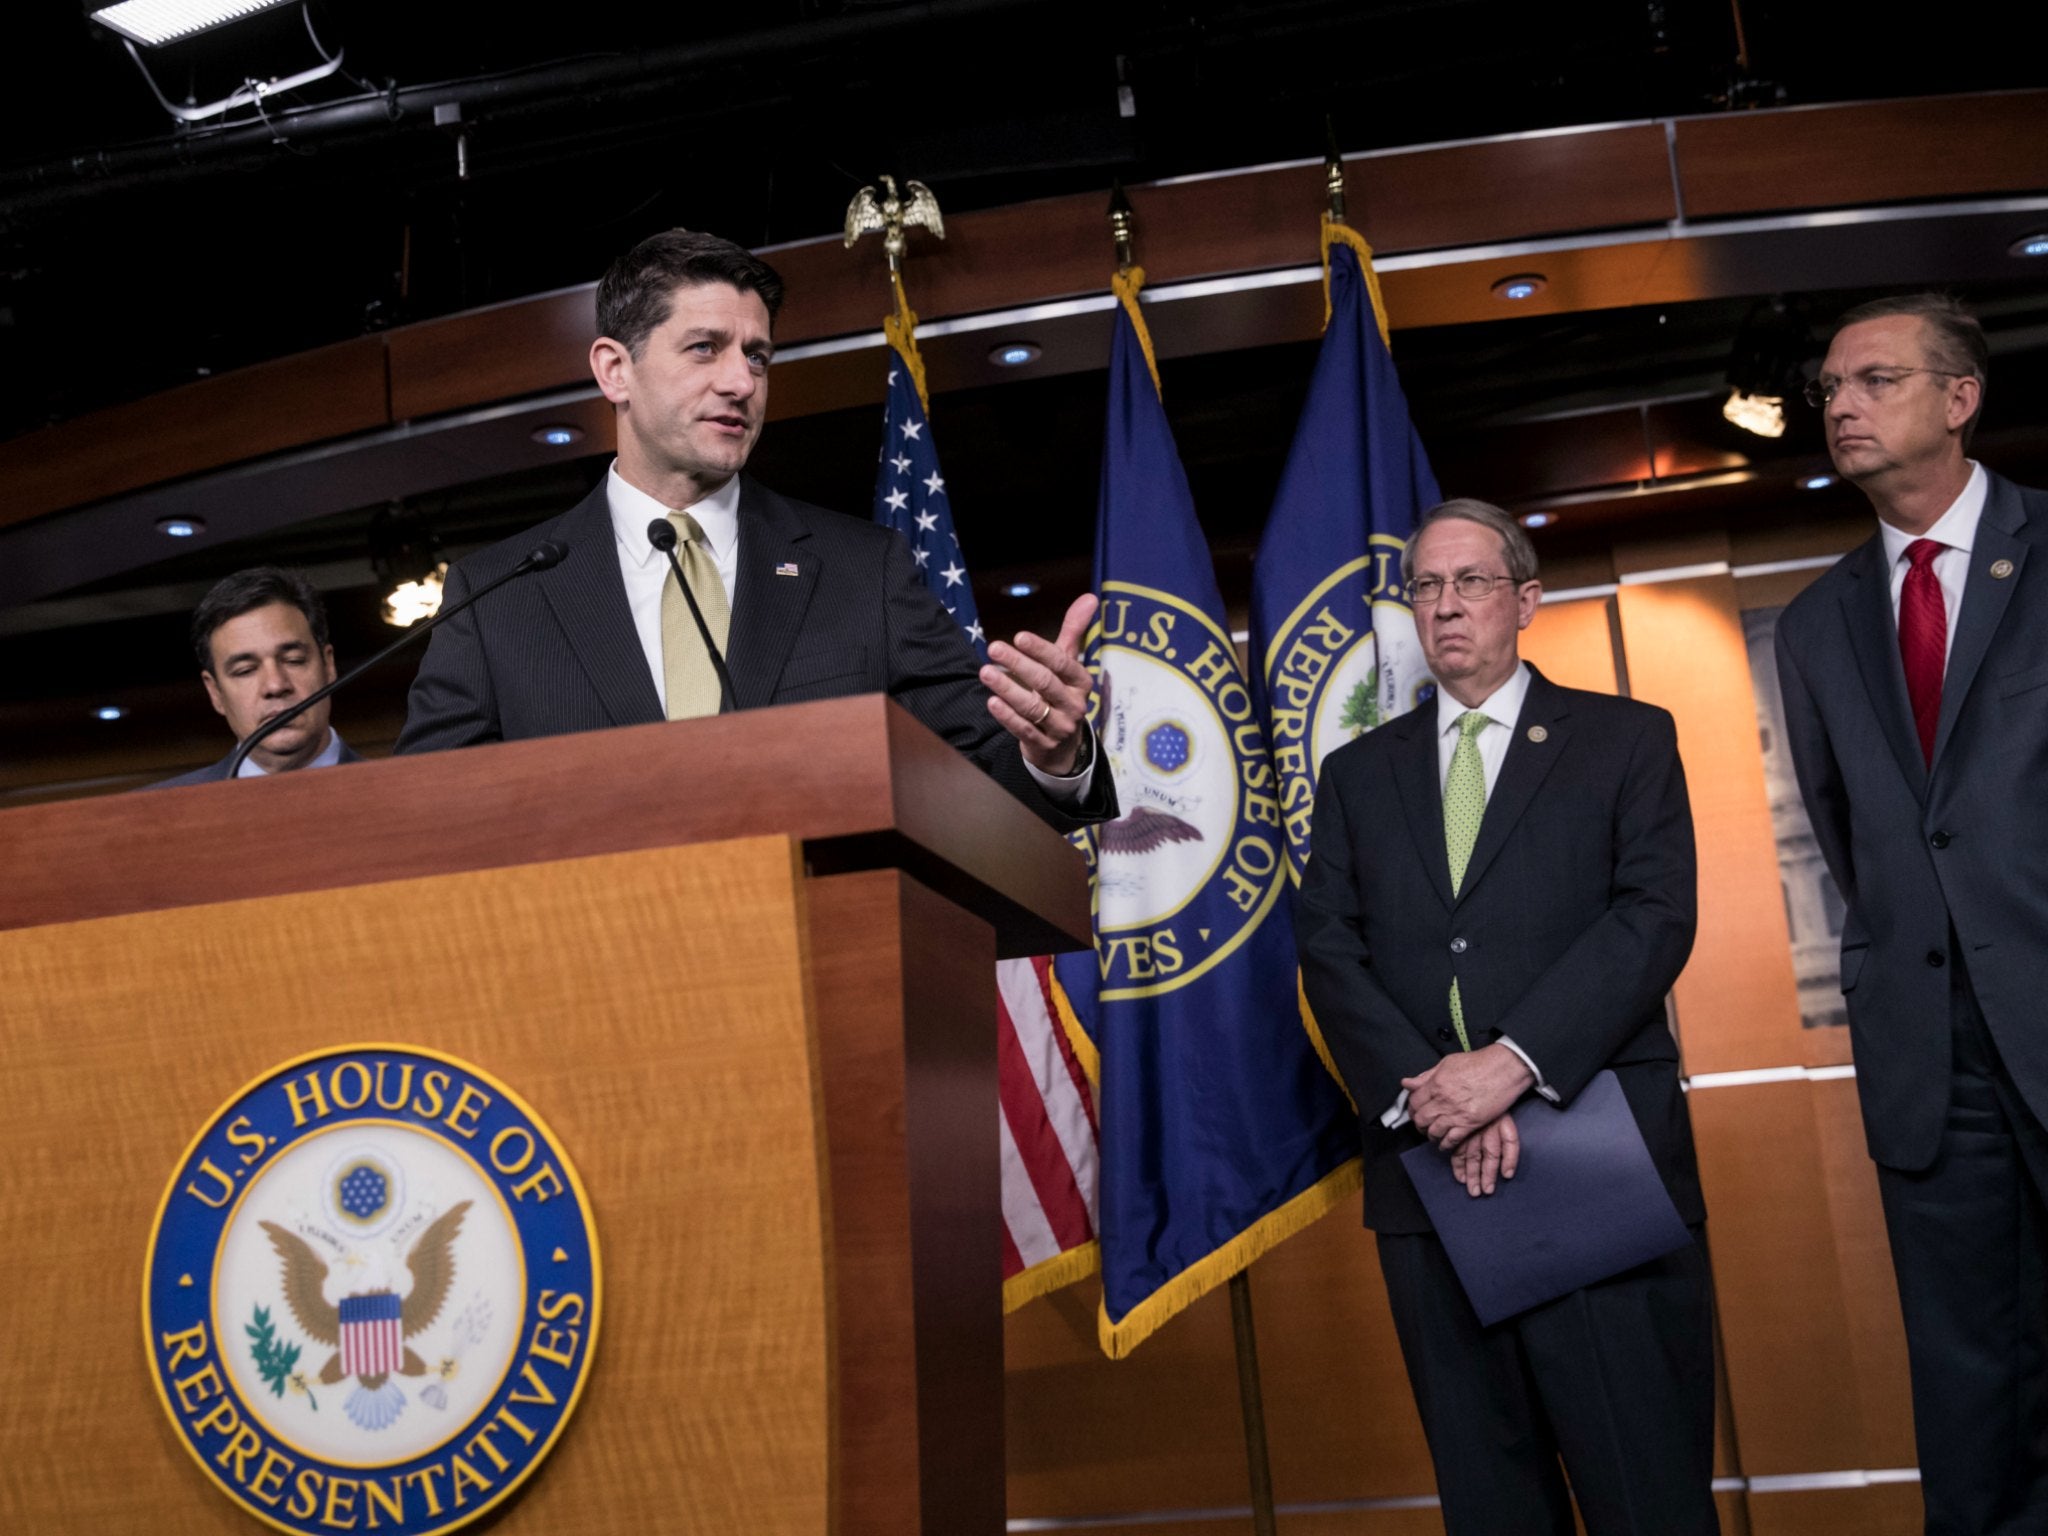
(743, 967)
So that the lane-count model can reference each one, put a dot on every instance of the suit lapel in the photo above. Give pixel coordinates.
(1984, 599)
(768, 602)
(588, 597)
(1874, 642)
(1422, 799)
(1522, 771)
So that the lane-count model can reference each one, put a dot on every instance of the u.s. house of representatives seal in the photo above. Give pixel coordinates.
(1193, 865)
(371, 1297)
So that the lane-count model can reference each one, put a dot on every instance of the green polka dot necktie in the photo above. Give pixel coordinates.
(1464, 809)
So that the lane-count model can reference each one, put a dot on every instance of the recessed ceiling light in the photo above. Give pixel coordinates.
(1538, 519)
(1020, 589)
(557, 435)
(1816, 482)
(1523, 285)
(181, 527)
(1014, 354)
(110, 712)
(2035, 244)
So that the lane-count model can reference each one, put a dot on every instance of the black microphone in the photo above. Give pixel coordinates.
(661, 533)
(548, 552)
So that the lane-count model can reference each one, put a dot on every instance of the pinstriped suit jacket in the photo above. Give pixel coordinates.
(556, 651)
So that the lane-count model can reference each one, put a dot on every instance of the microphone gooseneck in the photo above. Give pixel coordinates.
(661, 533)
(549, 552)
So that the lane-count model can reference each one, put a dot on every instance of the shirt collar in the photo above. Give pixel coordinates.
(329, 756)
(633, 509)
(1957, 527)
(1503, 706)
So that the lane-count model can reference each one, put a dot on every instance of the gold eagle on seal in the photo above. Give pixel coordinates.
(376, 1401)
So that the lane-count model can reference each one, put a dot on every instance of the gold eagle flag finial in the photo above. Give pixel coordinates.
(893, 214)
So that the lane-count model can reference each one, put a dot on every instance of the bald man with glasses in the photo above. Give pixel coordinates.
(1915, 675)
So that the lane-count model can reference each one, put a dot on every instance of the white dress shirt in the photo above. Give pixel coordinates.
(645, 571)
(329, 756)
(1957, 528)
(1502, 708)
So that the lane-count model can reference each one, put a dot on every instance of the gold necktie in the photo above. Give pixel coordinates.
(687, 675)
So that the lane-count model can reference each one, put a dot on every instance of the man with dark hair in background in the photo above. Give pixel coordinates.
(260, 637)
(804, 603)
(1915, 675)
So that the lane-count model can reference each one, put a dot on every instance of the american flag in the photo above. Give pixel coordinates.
(371, 1341)
(1046, 1118)
(910, 496)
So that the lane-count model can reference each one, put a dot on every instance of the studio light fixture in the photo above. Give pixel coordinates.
(153, 23)
(111, 712)
(557, 435)
(1020, 589)
(1818, 482)
(180, 527)
(1767, 365)
(1014, 354)
(2035, 244)
(1538, 519)
(407, 559)
(1523, 285)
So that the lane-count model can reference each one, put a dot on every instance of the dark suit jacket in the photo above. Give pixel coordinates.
(556, 651)
(1576, 915)
(1920, 853)
(213, 772)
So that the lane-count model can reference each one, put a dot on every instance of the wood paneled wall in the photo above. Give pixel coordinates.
(1814, 1377)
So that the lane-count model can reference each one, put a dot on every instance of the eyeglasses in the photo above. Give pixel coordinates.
(1472, 586)
(1872, 384)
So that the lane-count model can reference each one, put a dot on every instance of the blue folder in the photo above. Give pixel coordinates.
(1585, 1204)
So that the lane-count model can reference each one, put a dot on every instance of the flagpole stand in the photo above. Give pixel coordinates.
(1252, 1402)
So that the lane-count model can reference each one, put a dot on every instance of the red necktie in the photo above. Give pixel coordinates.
(1923, 639)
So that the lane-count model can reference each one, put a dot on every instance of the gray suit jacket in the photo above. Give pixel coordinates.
(214, 772)
(1927, 858)
(556, 651)
(1575, 916)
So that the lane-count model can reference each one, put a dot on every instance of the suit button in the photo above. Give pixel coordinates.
(1458, 946)
(1940, 840)
(1936, 958)
(1443, 1032)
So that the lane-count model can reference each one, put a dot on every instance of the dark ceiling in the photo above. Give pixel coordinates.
(133, 257)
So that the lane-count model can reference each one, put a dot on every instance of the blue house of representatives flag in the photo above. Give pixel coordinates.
(1333, 646)
(1221, 1133)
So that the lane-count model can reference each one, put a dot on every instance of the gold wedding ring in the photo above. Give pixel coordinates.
(1043, 712)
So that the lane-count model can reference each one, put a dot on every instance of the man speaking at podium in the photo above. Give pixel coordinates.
(801, 602)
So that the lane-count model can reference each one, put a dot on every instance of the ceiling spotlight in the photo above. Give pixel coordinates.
(180, 527)
(410, 602)
(1523, 285)
(2030, 245)
(558, 436)
(1538, 519)
(1816, 482)
(153, 23)
(407, 560)
(1767, 365)
(1762, 414)
(110, 712)
(1014, 354)
(1020, 589)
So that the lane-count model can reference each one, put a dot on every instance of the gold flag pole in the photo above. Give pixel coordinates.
(1251, 1399)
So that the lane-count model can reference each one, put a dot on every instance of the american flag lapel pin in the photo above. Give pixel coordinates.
(787, 568)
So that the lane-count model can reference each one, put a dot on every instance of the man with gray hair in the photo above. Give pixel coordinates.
(1514, 941)
(1915, 675)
